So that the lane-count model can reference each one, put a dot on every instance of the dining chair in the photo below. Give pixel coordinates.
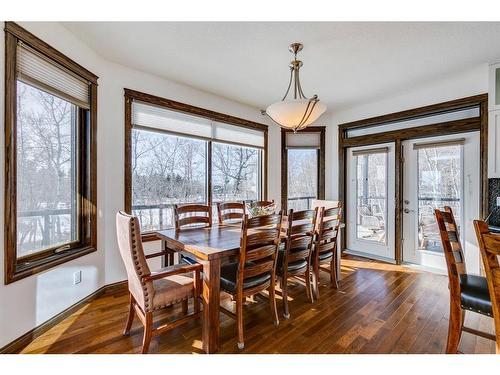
(325, 245)
(255, 271)
(294, 256)
(191, 215)
(230, 212)
(467, 292)
(489, 245)
(150, 292)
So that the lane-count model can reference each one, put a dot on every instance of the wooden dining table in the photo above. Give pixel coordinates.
(212, 247)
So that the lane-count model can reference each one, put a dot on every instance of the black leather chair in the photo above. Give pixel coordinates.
(467, 292)
(294, 256)
(255, 270)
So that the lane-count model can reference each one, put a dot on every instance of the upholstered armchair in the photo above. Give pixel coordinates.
(153, 291)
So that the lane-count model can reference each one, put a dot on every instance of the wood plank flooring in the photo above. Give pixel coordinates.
(378, 308)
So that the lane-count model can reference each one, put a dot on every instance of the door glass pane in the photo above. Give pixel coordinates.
(371, 173)
(497, 86)
(46, 171)
(302, 178)
(235, 174)
(439, 185)
(166, 169)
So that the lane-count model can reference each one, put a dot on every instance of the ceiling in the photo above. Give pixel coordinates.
(344, 63)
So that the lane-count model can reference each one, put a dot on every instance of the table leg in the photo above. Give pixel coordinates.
(211, 301)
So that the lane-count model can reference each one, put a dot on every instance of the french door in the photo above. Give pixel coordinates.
(438, 172)
(370, 201)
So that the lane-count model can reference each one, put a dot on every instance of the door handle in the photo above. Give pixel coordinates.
(407, 211)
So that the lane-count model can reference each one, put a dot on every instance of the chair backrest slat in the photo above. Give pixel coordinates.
(232, 211)
(260, 238)
(328, 228)
(452, 248)
(299, 232)
(188, 215)
(450, 240)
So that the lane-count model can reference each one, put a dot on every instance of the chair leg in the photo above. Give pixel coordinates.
(148, 331)
(184, 306)
(239, 320)
(454, 328)
(316, 279)
(272, 302)
(196, 299)
(333, 273)
(308, 284)
(284, 294)
(131, 315)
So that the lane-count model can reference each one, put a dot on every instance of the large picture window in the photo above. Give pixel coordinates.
(303, 167)
(50, 156)
(177, 154)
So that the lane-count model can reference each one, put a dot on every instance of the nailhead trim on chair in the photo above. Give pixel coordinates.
(139, 269)
(476, 311)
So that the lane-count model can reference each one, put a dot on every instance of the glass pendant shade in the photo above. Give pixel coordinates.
(299, 112)
(295, 114)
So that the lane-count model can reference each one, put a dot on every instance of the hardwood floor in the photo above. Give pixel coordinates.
(378, 308)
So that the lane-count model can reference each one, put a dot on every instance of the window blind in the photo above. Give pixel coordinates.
(451, 142)
(303, 140)
(366, 151)
(35, 69)
(154, 117)
(237, 134)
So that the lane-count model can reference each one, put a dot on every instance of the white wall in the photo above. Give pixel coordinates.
(39, 297)
(470, 82)
(31, 301)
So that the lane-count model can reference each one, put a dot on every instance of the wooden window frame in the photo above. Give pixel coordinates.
(19, 268)
(133, 95)
(479, 123)
(284, 163)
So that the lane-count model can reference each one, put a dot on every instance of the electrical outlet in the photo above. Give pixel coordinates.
(498, 201)
(77, 277)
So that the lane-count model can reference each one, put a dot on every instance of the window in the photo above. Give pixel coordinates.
(440, 183)
(371, 192)
(184, 154)
(303, 167)
(235, 173)
(166, 169)
(50, 178)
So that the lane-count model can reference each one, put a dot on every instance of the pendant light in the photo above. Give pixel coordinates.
(298, 112)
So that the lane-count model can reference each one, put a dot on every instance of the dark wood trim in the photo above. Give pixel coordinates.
(18, 268)
(479, 123)
(132, 95)
(266, 164)
(21, 342)
(10, 162)
(342, 186)
(450, 127)
(25, 36)
(483, 150)
(284, 172)
(321, 163)
(398, 204)
(413, 113)
(127, 165)
(193, 110)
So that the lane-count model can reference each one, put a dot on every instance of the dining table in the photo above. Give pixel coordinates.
(212, 247)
